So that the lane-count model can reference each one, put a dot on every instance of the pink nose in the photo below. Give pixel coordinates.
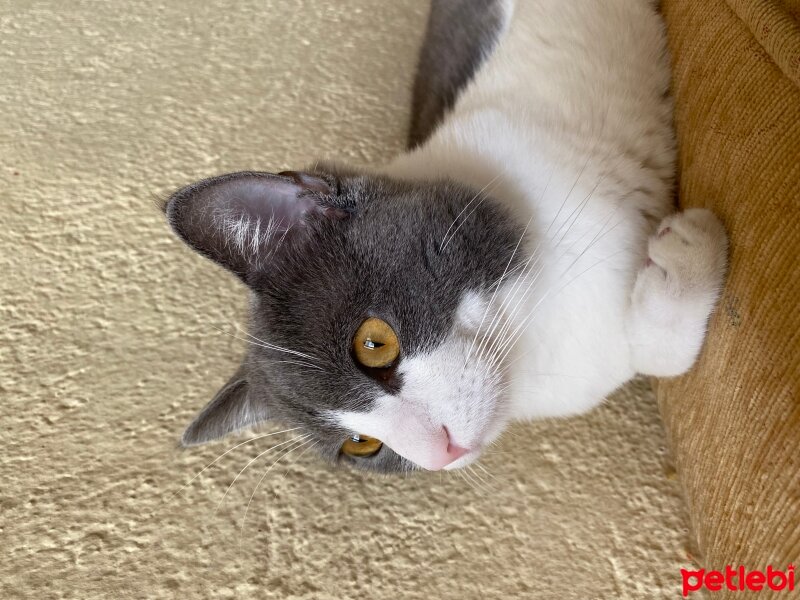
(430, 448)
(455, 452)
(451, 454)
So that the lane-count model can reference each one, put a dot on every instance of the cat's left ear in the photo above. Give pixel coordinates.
(243, 221)
(230, 410)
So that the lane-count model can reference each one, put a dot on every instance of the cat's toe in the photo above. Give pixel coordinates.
(698, 227)
(691, 249)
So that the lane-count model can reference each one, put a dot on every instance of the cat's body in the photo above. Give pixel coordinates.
(558, 122)
(574, 133)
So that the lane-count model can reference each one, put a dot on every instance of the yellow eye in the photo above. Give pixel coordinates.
(375, 344)
(361, 445)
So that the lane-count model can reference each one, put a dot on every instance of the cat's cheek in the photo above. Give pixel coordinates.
(471, 312)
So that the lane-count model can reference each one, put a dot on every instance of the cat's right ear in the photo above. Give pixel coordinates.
(231, 409)
(242, 220)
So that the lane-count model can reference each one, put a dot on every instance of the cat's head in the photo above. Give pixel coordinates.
(368, 311)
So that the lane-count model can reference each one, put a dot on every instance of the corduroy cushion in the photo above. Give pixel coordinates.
(734, 421)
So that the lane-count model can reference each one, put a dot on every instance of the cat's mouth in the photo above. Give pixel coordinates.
(464, 460)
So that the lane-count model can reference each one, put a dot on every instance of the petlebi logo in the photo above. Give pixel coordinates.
(738, 580)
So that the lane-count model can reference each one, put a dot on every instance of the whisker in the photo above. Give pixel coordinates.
(535, 254)
(485, 470)
(299, 363)
(263, 344)
(591, 243)
(491, 337)
(270, 449)
(298, 457)
(495, 178)
(285, 452)
(485, 485)
(544, 193)
(526, 322)
(477, 487)
(505, 336)
(491, 300)
(460, 473)
(513, 292)
(213, 462)
(275, 346)
(579, 209)
(464, 220)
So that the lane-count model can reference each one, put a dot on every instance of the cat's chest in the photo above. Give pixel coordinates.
(570, 346)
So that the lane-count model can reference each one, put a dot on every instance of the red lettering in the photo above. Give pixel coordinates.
(755, 580)
(714, 581)
(730, 575)
(771, 575)
(738, 579)
(692, 587)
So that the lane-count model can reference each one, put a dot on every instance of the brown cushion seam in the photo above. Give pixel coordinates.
(776, 31)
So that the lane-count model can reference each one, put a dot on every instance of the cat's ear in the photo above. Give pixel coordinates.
(241, 220)
(230, 410)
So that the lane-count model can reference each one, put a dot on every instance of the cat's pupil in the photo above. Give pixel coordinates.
(372, 345)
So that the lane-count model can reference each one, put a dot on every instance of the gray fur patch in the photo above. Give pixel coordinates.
(459, 37)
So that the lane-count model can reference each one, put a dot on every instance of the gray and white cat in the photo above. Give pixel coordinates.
(522, 260)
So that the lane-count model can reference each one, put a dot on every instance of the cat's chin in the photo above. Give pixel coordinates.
(463, 461)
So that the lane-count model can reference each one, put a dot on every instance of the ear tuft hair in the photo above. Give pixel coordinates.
(241, 220)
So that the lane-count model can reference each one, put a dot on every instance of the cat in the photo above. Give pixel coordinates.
(521, 260)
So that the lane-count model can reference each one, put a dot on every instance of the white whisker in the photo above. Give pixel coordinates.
(300, 442)
(270, 449)
(264, 344)
(298, 363)
(486, 486)
(513, 293)
(445, 240)
(460, 473)
(534, 255)
(275, 346)
(504, 335)
(514, 338)
(485, 470)
(491, 300)
(221, 456)
(476, 486)
(298, 457)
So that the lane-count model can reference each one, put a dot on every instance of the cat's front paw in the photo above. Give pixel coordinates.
(688, 254)
(676, 290)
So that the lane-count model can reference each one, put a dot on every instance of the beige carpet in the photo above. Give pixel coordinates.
(108, 342)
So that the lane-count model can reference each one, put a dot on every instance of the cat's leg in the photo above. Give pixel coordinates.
(459, 38)
(676, 291)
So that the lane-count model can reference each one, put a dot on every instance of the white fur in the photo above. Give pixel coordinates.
(568, 123)
(248, 235)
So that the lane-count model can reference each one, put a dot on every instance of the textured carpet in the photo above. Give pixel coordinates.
(108, 344)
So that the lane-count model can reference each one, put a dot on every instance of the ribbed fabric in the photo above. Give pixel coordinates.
(775, 29)
(734, 421)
